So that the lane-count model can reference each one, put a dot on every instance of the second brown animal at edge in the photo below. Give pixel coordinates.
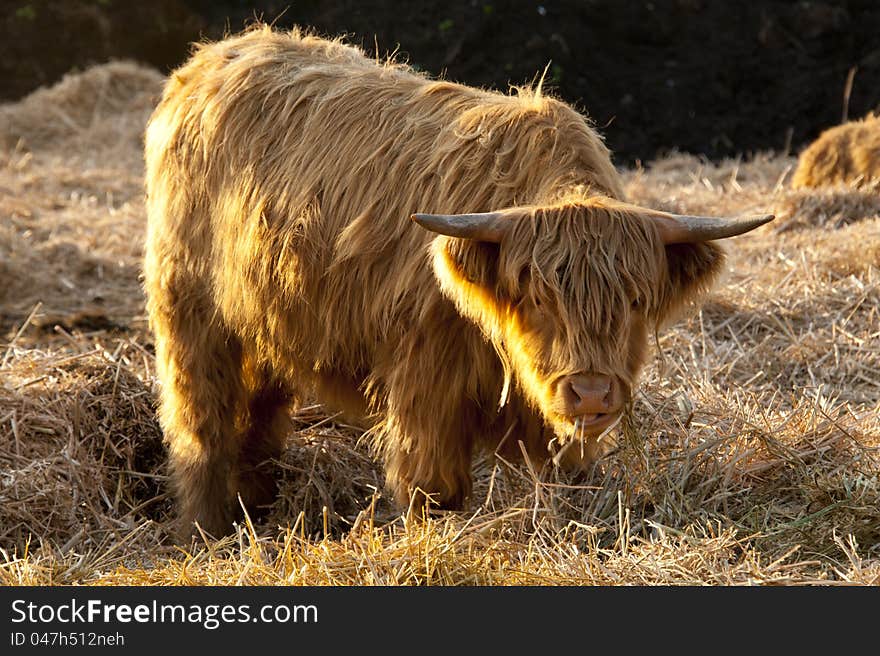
(844, 154)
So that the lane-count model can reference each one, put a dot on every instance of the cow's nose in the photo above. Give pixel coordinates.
(589, 394)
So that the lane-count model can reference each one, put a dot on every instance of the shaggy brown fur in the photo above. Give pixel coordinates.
(282, 170)
(848, 153)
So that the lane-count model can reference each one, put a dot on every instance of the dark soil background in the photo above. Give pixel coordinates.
(704, 76)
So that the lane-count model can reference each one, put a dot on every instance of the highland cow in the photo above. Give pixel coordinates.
(845, 154)
(455, 268)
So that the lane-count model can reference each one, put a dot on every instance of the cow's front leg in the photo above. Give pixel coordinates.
(427, 454)
(430, 401)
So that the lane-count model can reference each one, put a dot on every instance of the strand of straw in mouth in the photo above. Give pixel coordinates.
(580, 422)
(577, 436)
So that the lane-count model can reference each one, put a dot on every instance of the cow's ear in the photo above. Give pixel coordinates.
(691, 271)
(474, 262)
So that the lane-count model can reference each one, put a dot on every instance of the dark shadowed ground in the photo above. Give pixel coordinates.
(703, 76)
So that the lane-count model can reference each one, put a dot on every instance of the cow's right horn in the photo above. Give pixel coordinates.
(485, 226)
(683, 229)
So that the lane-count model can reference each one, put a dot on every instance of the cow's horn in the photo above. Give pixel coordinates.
(486, 226)
(683, 229)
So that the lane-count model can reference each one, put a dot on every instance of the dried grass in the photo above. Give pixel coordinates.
(750, 455)
(91, 111)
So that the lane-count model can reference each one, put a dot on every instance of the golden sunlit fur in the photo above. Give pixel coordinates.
(844, 154)
(281, 262)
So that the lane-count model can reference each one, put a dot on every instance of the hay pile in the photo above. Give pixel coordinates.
(104, 107)
(71, 198)
(82, 458)
(831, 206)
(750, 455)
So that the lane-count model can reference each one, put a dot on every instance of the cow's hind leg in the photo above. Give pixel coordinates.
(262, 440)
(201, 400)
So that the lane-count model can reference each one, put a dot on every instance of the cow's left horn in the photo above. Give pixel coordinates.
(683, 229)
(486, 226)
